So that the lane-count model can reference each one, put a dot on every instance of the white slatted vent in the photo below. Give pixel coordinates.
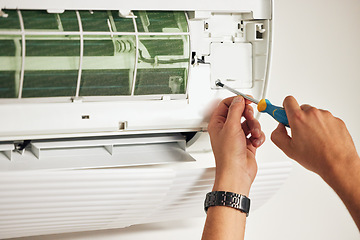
(113, 151)
(111, 145)
(48, 202)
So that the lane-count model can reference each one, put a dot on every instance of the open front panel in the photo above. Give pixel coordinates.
(93, 53)
(72, 72)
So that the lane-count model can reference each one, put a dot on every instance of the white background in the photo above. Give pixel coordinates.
(316, 58)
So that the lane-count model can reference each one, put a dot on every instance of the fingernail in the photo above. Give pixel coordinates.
(237, 99)
(257, 131)
(251, 111)
(257, 142)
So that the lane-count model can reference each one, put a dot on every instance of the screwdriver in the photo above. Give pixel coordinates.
(264, 105)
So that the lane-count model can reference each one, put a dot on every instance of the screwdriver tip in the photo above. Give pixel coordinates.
(219, 83)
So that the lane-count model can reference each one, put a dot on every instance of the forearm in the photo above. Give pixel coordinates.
(345, 180)
(234, 143)
(226, 222)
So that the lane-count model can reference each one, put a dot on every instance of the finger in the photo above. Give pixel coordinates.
(245, 127)
(281, 139)
(247, 101)
(223, 107)
(292, 108)
(254, 127)
(218, 117)
(250, 146)
(249, 112)
(258, 141)
(236, 110)
(251, 124)
(326, 112)
(305, 107)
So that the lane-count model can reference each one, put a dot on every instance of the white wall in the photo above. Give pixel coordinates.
(316, 58)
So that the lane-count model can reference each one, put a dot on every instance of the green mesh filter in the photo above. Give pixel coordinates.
(68, 20)
(164, 21)
(39, 20)
(122, 24)
(9, 66)
(49, 47)
(169, 47)
(104, 83)
(53, 58)
(49, 83)
(94, 21)
(7, 47)
(7, 84)
(146, 84)
(10, 22)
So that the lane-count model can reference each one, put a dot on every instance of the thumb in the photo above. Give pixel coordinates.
(281, 139)
(236, 110)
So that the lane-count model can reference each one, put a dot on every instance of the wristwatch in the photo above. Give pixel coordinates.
(228, 199)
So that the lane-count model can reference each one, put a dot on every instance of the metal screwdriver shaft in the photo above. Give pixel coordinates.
(220, 84)
(264, 105)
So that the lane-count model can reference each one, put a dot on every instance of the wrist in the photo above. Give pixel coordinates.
(232, 182)
(342, 173)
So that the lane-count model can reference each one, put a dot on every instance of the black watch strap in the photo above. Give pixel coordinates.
(228, 199)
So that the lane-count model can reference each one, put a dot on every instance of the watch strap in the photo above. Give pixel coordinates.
(228, 199)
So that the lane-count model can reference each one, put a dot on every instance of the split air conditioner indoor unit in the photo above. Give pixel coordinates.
(104, 108)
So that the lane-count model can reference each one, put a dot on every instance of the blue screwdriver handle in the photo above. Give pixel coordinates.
(278, 113)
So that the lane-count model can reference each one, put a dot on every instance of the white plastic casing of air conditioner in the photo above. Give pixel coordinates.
(99, 163)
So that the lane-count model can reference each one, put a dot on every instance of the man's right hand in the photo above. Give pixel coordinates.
(321, 143)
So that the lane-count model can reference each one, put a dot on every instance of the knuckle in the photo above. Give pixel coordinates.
(328, 114)
(340, 121)
(315, 112)
(273, 137)
(305, 107)
(249, 108)
(263, 137)
(256, 124)
(312, 109)
(298, 116)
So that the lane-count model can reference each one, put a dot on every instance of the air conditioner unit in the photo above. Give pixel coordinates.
(104, 108)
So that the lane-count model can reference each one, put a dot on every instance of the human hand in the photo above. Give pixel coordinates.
(234, 152)
(319, 141)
